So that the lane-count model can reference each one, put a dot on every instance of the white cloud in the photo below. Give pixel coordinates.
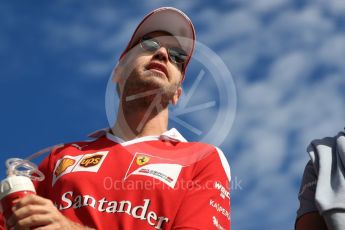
(183, 5)
(336, 7)
(305, 28)
(225, 27)
(332, 51)
(266, 6)
(290, 70)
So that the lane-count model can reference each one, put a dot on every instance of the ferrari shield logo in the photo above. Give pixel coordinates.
(141, 160)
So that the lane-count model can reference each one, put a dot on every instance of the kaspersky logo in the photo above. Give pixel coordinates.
(122, 207)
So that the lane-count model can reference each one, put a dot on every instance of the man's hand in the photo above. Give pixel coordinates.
(35, 212)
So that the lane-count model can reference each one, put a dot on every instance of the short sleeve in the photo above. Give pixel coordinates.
(207, 202)
(306, 194)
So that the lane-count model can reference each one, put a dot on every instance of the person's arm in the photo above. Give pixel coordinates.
(206, 204)
(312, 220)
(308, 216)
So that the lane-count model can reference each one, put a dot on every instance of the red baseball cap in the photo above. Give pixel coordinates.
(171, 20)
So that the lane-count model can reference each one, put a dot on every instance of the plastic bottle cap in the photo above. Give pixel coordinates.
(15, 183)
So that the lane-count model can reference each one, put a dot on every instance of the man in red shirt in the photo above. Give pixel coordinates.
(136, 174)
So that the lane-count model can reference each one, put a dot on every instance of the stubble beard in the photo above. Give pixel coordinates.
(142, 89)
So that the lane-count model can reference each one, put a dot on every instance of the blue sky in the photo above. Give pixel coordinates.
(287, 87)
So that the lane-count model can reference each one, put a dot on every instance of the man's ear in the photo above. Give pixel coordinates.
(177, 95)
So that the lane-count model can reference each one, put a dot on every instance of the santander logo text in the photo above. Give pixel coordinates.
(142, 212)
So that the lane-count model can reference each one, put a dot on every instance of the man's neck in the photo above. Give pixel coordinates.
(140, 123)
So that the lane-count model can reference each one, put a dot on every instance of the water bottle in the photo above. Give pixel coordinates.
(18, 183)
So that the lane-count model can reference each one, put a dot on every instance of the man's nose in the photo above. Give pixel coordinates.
(161, 54)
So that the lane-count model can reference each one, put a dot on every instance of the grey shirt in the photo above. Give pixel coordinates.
(323, 184)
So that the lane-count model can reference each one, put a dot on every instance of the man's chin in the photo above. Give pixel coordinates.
(144, 84)
(148, 83)
(153, 80)
(155, 74)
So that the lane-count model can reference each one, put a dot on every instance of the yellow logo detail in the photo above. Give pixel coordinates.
(63, 165)
(141, 160)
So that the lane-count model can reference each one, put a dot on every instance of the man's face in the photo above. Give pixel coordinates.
(142, 70)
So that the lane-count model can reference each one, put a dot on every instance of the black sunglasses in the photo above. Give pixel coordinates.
(176, 54)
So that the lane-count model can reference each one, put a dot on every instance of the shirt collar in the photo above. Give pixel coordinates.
(171, 134)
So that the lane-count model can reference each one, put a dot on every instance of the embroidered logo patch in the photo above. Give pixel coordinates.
(90, 162)
(142, 159)
(63, 165)
(165, 170)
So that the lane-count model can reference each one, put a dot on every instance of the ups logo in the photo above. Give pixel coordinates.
(91, 161)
